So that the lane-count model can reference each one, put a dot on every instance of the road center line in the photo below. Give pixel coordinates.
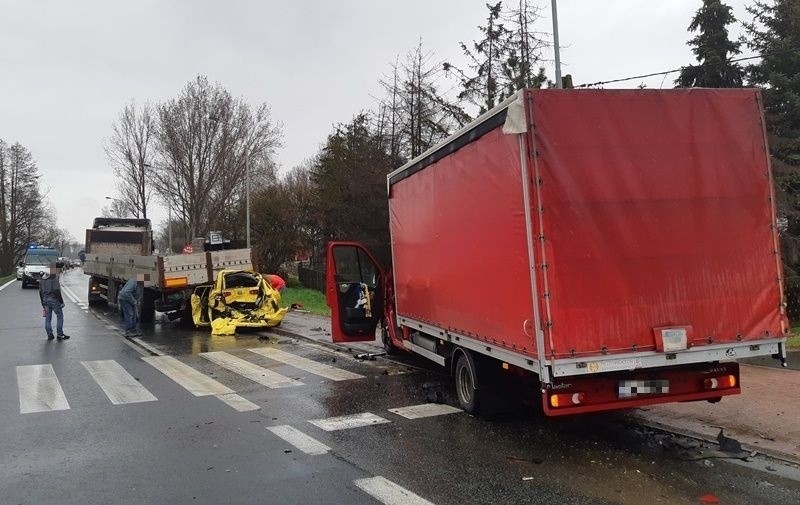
(389, 493)
(311, 366)
(117, 383)
(299, 440)
(70, 294)
(249, 370)
(39, 389)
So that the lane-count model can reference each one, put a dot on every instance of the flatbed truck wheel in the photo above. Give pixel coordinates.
(466, 380)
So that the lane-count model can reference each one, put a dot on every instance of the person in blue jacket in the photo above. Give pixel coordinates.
(129, 300)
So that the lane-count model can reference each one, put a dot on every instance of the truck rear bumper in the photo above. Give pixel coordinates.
(626, 390)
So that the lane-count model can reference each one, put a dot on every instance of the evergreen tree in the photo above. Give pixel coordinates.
(487, 56)
(349, 184)
(713, 49)
(505, 60)
(521, 68)
(774, 33)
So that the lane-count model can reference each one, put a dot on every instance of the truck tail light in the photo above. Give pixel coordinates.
(226, 294)
(176, 282)
(724, 382)
(253, 291)
(566, 399)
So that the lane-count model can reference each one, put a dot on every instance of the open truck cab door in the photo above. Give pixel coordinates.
(355, 292)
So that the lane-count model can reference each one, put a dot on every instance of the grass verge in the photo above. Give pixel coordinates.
(312, 300)
(793, 342)
(5, 279)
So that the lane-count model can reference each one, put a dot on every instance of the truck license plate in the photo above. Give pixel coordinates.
(631, 388)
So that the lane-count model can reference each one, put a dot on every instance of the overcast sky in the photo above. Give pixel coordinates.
(68, 67)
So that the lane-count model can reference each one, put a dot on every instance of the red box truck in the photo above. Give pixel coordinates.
(621, 245)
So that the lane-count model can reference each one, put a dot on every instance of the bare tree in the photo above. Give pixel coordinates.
(415, 115)
(21, 212)
(117, 208)
(130, 151)
(208, 142)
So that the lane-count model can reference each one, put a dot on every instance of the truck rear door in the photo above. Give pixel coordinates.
(354, 292)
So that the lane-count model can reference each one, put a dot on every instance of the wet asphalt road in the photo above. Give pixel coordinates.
(198, 449)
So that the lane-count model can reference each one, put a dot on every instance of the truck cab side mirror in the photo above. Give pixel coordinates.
(22, 264)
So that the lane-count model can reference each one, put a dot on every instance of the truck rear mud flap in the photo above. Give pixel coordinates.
(630, 389)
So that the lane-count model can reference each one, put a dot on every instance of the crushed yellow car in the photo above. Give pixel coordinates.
(237, 299)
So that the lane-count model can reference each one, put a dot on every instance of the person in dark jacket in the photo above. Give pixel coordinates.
(52, 301)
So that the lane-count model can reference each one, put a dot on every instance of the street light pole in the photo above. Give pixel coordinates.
(169, 225)
(247, 202)
(559, 84)
(217, 120)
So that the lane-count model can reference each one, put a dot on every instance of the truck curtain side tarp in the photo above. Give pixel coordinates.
(648, 209)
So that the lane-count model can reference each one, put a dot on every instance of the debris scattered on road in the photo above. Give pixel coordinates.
(527, 478)
(318, 328)
(209, 468)
(535, 461)
(368, 355)
(771, 439)
(287, 451)
(771, 468)
(708, 498)
(728, 444)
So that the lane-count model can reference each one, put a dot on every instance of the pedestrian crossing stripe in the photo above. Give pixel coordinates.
(425, 410)
(119, 386)
(389, 493)
(190, 379)
(249, 370)
(350, 421)
(39, 389)
(311, 366)
(299, 440)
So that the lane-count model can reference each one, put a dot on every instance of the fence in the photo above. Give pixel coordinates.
(313, 279)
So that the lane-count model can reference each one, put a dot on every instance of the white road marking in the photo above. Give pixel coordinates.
(300, 440)
(249, 370)
(186, 376)
(347, 422)
(389, 493)
(117, 383)
(424, 410)
(7, 284)
(238, 403)
(147, 346)
(311, 366)
(39, 389)
(70, 294)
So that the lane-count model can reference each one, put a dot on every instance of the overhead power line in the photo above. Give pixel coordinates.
(666, 72)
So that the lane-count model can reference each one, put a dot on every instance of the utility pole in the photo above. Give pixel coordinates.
(559, 84)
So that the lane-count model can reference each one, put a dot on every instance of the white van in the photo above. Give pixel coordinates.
(37, 261)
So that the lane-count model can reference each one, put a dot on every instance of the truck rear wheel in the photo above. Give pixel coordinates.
(148, 306)
(466, 379)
